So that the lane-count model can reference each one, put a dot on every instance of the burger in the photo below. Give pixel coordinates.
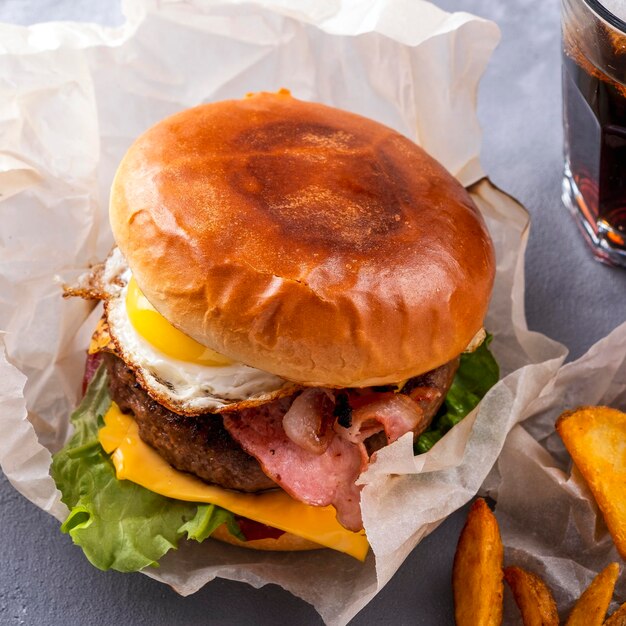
(292, 288)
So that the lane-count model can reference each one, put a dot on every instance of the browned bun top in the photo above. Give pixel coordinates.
(303, 240)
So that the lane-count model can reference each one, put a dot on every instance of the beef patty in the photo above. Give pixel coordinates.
(199, 445)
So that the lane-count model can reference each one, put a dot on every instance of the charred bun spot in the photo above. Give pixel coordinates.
(343, 211)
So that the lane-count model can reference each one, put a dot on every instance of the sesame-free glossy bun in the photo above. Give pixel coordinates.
(303, 240)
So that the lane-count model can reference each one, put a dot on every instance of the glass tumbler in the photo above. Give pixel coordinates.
(594, 122)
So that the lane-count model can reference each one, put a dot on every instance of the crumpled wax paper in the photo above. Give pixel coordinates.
(72, 99)
(548, 518)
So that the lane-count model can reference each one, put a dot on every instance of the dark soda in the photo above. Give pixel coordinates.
(594, 110)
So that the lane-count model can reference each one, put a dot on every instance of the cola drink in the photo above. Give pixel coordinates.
(594, 116)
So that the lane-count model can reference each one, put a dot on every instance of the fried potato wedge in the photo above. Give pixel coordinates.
(595, 437)
(618, 618)
(591, 608)
(477, 572)
(533, 597)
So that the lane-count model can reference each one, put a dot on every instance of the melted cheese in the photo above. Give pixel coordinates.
(101, 340)
(155, 329)
(136, 461)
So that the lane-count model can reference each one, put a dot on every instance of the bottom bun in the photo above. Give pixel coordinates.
(285, 543)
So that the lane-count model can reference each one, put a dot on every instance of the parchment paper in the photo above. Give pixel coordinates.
(549, 521)
(73, 97)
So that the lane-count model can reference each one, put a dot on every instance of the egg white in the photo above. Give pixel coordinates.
(181, 386)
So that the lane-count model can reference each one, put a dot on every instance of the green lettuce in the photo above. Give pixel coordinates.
(123, 526)
(119, 524)
(478, 372)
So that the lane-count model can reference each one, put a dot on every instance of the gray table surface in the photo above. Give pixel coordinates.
(570, 297)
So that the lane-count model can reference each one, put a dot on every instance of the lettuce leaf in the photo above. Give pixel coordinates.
(208, 517)
(119, 524)
(123, 526)
(478, 372)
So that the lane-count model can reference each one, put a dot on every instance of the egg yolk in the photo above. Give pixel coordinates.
(155, 329)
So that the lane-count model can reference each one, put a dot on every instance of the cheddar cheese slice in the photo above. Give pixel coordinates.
(136, 461)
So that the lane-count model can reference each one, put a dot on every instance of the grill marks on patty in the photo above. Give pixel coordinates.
(199, 445)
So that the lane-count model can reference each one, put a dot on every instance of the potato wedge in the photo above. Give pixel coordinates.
(590, 610)
(477, 572)
(595, 437)
(533, 597)
(618, 618)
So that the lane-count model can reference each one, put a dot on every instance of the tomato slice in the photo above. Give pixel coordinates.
(256, 530)
(91, 365)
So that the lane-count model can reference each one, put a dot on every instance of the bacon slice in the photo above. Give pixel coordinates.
(296, 447)
(395, 413)
(309, 419)
(317, 479)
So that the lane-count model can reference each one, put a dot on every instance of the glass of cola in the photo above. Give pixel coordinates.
(594, 120)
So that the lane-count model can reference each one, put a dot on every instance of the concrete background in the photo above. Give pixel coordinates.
(44, 579)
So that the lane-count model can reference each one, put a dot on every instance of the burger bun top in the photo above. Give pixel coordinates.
(303, 240)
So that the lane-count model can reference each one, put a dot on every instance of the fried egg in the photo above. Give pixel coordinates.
(173, 368)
